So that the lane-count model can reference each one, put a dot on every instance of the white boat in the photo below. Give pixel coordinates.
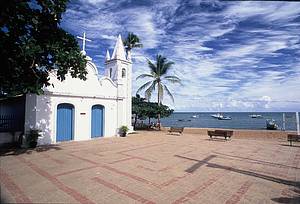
(271, 125)
(255, 116)
(219, 116)
(194, 116)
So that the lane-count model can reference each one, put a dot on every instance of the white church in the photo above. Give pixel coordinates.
(74, 110)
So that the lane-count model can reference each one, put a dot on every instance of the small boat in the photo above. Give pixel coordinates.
(225, 118)
(182, 120)
(255, 116)
(194, 116)
(219, 116)
(271, 125)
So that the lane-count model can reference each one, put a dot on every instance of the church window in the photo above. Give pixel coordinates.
(123, 73)
(110, 72)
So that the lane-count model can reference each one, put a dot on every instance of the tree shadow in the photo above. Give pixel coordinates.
(232, 169)
(287, 145)
(286, 199)
(44, 113)
(198, 164)
(3, 199)
(257, 175)
(10, 151)
(255, 160)
(289, 198)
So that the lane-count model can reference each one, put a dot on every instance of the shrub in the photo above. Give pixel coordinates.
(32, 136)
(123, 130)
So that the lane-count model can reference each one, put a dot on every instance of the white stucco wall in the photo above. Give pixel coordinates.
(46, 114)
(114, 93)
(41, 110)
(124, 88)
(92, 86)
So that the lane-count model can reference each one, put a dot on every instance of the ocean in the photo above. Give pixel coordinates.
(240, 120)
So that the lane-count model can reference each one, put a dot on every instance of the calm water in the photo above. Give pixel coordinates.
(239, 120)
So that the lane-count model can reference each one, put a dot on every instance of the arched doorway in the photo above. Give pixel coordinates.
(65, 122)
(97, 128)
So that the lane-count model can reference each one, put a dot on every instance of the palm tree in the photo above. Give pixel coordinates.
(132, 41)
(158, 75)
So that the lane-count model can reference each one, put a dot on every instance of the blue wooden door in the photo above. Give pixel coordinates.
(64, 122)
(97, 121)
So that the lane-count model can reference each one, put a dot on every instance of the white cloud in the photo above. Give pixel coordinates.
(221, 56)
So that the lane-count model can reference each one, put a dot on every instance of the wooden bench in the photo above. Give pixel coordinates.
(220, 133)
(176, 129)
(293, 138)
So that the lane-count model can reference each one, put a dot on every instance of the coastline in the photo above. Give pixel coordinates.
(240, 133)
(239, 120)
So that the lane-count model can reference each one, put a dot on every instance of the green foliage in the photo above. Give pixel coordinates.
(124, 129)
(32, 136)
(132, 41)
(143, 109)
(158, 76)
(32, 44)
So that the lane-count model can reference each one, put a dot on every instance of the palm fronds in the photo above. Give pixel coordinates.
(173, 79)
(144, 86)
(132, 41)
(149, 90)
(145, 75)
(169, 93)
(158, 70)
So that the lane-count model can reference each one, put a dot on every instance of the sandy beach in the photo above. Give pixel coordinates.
(241, 133)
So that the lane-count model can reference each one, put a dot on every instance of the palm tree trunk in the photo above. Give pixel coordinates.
(135, 120)
(158, 101)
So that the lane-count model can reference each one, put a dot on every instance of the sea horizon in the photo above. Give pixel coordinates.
(236, 111)
(239, 120)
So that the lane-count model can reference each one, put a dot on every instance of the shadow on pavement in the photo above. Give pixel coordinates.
(223, 155)
(287, 199)
(8, 151)
(240, 171)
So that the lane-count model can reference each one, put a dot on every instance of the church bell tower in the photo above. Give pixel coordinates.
(119, 69)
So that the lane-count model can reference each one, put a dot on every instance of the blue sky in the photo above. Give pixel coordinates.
(231, 56)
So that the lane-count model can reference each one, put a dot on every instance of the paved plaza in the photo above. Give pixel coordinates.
(154, 167)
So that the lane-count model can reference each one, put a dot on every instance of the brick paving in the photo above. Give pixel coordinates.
(154, 167)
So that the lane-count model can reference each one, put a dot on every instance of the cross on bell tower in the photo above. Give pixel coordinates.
(83, 41)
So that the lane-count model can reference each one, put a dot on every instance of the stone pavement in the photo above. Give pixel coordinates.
(154, 167)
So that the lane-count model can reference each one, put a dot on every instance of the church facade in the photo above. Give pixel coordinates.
(74, 110)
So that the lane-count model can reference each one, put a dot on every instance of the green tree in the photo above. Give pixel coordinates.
(143, 109)
(158, 78)
(132, 41)
(138, 108)
(32, 45)
(156, 111)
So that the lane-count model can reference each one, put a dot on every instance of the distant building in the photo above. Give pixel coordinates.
(80, 110)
